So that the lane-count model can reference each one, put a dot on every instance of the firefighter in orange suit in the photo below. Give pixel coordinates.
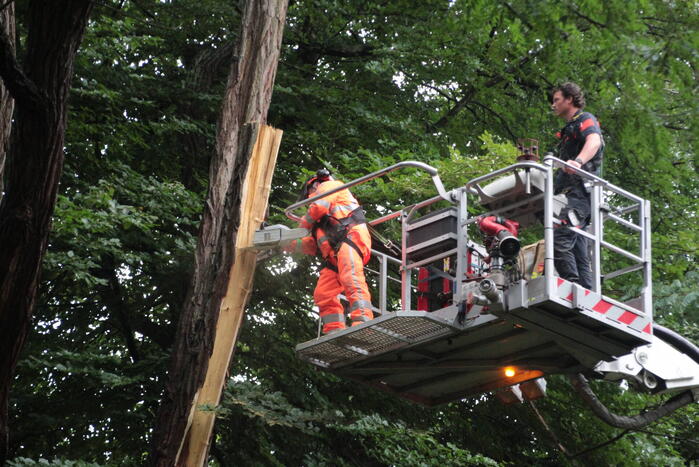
(340, 235)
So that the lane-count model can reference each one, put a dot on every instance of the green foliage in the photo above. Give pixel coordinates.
(394, 443)
(113, 284)
(677, 305)
(360, 86)
(370, 437)
(25, 462)
(273, 409)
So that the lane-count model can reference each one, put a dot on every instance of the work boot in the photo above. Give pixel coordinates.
(357, 323)
(330, 328)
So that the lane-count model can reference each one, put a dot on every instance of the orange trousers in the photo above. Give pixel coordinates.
(349, 279)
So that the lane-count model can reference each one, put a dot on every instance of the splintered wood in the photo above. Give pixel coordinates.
(256, 188)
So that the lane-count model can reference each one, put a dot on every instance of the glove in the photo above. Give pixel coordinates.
(290, 247)
(303, 223)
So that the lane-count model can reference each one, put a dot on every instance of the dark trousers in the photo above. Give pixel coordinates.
(571, 252)
(571, 256)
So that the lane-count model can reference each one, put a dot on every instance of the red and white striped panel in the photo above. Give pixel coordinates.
(596, 302)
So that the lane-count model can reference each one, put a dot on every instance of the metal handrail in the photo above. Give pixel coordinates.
(383, 260)
(509, 168)
(585, 174)
(420, 165)
(624, 222)
(411, 208)
(643, 260)
(459, 197)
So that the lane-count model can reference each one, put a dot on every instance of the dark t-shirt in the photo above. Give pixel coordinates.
(572, 138)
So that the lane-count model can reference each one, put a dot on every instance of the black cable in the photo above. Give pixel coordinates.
(634, 422)
(641, 420)
(677, 341)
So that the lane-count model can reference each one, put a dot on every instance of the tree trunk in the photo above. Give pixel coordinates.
(7, 103)
(247, 99)
(34, 164)
(208, 64)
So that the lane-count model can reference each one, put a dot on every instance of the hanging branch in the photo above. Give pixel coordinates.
(6, 4)
(549, 431)
(601, 445)
(22, 89)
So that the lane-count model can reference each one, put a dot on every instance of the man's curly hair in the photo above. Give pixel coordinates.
(570, 90)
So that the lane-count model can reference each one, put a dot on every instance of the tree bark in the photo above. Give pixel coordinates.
(7, 103)
(247, 98)
(207, 65)
(34, 163)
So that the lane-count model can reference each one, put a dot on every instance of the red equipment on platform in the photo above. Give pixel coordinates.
(501, 235)
(434, 290)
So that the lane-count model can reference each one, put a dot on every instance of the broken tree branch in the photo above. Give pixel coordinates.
(22, 89)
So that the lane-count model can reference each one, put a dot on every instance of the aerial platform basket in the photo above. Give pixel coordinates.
(536, 326)
(431, 358)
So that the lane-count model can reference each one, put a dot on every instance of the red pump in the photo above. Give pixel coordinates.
(501, 235)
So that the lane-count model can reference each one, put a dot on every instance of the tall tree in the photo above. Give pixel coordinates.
(40, 88)
(7, 104)
(360, 85)
(247, 99)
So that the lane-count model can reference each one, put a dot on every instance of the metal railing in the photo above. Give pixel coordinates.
(383, 258)
(601, 189)
(600, 212)
(419, 165)
(382, 283)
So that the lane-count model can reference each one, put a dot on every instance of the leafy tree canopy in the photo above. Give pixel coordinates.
(361, 85)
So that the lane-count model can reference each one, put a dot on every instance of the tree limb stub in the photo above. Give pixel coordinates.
(23, 90)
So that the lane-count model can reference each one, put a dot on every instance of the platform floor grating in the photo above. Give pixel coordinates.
(429, 358)
(390, 332)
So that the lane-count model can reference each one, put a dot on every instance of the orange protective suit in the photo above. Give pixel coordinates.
(344, 269)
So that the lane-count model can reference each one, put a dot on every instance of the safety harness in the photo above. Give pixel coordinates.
(337, 229)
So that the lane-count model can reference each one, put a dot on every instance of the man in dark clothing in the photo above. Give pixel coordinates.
(581, 145)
